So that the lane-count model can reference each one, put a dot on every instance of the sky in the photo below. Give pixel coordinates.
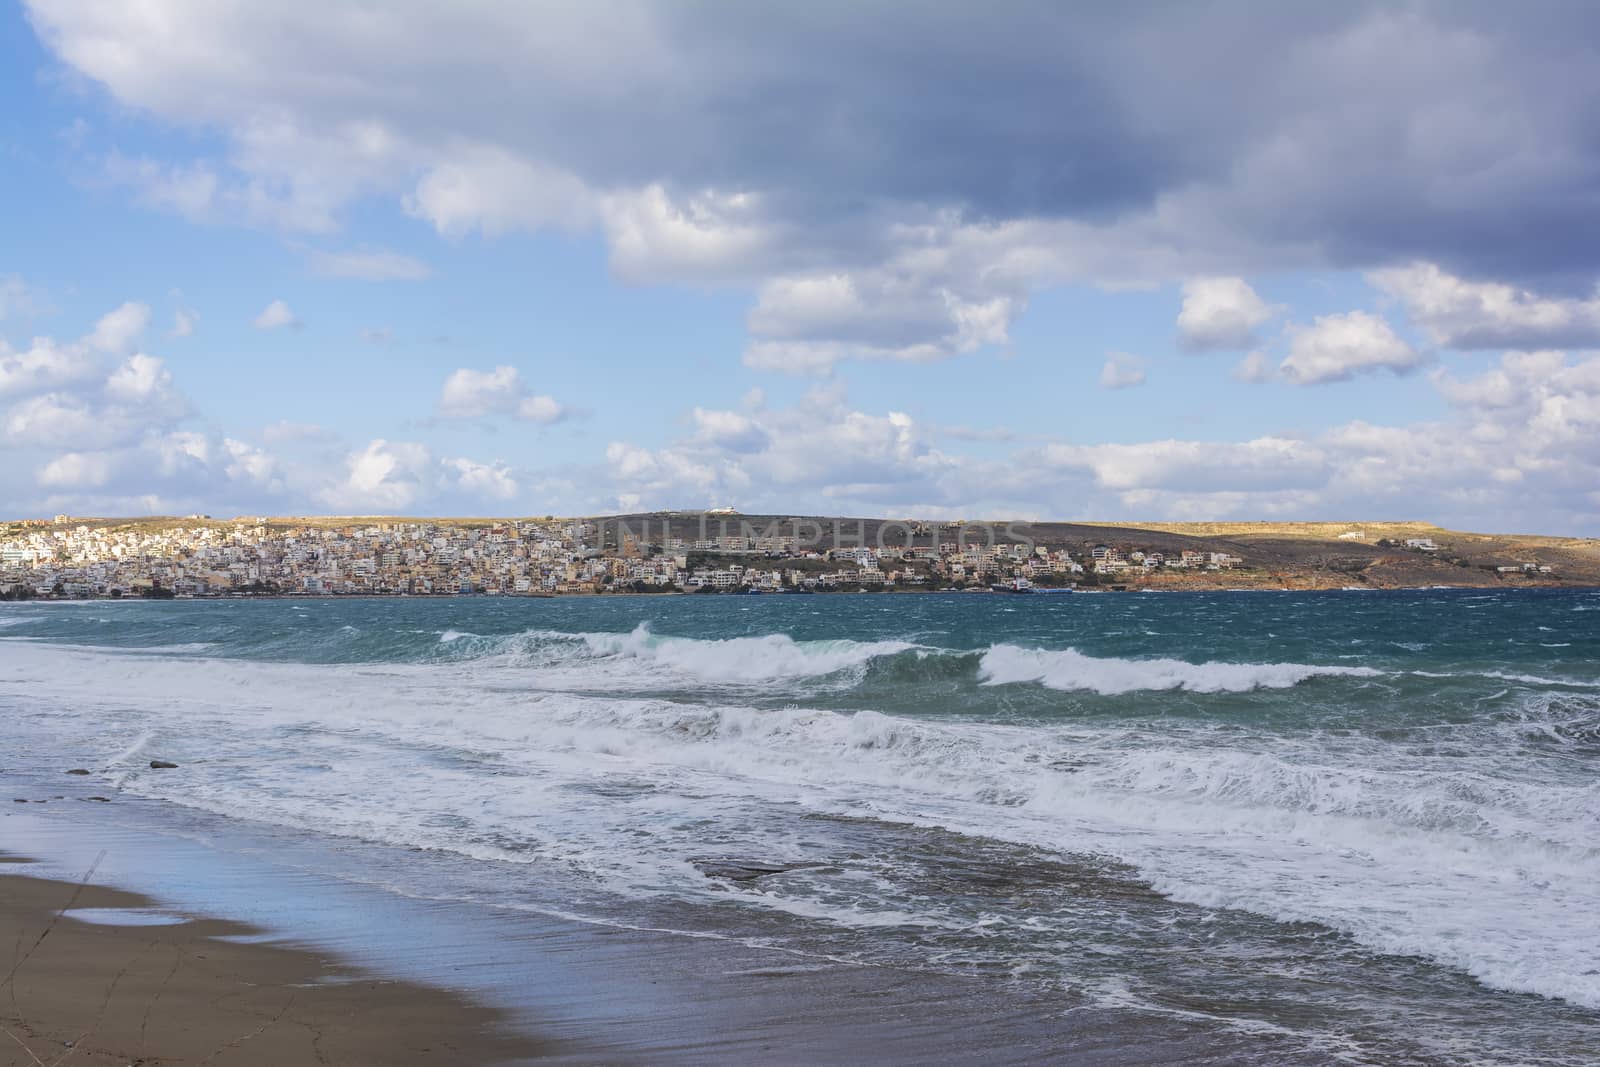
(1167, 261)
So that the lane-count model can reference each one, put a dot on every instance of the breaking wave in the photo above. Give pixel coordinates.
(1069, 669)
(748, 660)
(742, 659)
(777, 657)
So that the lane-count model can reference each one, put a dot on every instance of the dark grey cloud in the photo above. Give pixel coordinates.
(1355, 135)
(1168, 139)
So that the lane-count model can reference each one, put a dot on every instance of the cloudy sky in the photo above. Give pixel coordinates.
(1160, 261)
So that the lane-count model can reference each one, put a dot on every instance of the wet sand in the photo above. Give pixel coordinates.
(93, 993)
(324, 985)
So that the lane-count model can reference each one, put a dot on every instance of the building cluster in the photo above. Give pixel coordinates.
(196, 557)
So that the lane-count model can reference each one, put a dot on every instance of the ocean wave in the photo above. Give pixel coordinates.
(1512, 676)
(769, 657)
(1069, 669)
(746, 660)
(1566, 720)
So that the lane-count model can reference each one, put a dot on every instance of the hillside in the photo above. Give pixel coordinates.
(1306, 555)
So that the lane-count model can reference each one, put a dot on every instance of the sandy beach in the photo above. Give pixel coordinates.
(351, 975)
(98, 993)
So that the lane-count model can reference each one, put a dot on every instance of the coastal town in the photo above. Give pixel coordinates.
(199, 557)
(722, 551)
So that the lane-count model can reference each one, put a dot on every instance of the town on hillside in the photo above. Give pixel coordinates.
(712, 552)
(198, 557)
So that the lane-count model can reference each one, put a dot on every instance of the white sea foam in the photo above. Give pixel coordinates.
(1452, 855)
(125, 916)
(1069, 669)
(742, 659)
(1513, 676)
(644, 658)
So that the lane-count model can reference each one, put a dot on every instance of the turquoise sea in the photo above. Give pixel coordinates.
(1365, 824)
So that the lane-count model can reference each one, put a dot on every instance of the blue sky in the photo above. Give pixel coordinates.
(522, 259)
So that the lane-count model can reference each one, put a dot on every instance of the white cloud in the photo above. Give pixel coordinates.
(276, 315)
(1338, 347)
(1254, 368)
(1220, 314)
(471, 393)
(42, 367)
(181, 453)
(1524, 440)
(246, 463)
(161, 471)
(384, 477)
(468, 393)
(79, 433)
(729, 429)
(492, 190)
(77, 470)
(711, 235)
(545, 409)
(920, 307)
(184, 322)
(369, 264)
(1463, 314)
(139, 380)
(819, 450)
(1121, 371)
(56, 419)
(118, 330)
(392, 477)
(487, 481)
(137, 396)
(377, 335)
(78, 422)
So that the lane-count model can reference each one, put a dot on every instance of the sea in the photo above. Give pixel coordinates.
(1365, 824)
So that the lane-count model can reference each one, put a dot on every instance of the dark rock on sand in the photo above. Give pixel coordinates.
(161, 765)
(738, 871)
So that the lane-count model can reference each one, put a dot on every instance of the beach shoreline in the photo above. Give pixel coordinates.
(102, 976)
(380, 977)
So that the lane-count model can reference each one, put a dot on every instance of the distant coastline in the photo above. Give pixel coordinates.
(69, 558)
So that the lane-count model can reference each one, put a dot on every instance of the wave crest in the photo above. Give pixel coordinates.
(1069, 669)
(742, 659)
